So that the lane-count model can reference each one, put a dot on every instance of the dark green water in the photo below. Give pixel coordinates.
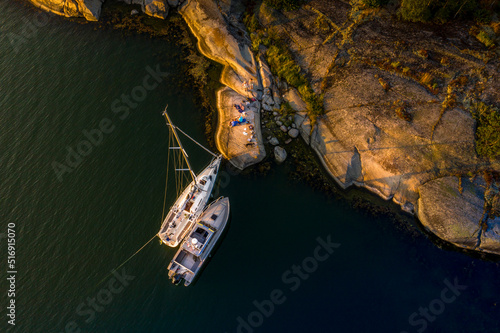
(72, 233)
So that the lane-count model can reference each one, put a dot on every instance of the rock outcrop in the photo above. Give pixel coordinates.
(459, 218)
(274, 141)
(396, 102)
(89, 9)
(389, 125)
(134, 2)
(293, 132)
(173, 3)
(217, 41)
(156, 8)
(280, 154)
(238, 143)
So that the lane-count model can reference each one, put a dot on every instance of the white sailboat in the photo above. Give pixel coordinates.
(191, 202)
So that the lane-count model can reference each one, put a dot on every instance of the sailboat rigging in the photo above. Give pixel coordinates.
(193, 199)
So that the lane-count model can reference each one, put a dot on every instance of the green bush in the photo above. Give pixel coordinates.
(251, 23)
(322, 24)
(284, 4)
(373, 3)
(415, 10)
(442, 11)
(482, 16)
(313, 101)
(265, 40)
(487, 130)
(198, 68)
(286, 109)
(283, 65)
(485, 38)
(402, 113)
(255, 42)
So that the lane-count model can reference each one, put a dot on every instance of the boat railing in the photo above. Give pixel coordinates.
(212, 203)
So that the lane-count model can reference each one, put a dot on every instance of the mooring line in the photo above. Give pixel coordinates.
(117, 268)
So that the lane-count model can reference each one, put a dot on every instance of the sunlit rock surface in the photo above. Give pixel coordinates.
(89, 9)
(217, 41)
(460, 218)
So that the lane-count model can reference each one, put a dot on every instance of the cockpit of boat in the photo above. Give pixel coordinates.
(200, 234)
(198, 239)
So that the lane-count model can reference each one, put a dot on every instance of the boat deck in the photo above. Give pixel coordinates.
(187, 260)
(189, 206)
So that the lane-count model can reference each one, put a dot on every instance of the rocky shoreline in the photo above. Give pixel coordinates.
(89, 9)
(387, 126)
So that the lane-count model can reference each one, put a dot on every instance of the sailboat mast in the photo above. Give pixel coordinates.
(180, 144)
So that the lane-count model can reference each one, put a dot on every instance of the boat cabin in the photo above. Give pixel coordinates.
(194, 201)
(198, 239)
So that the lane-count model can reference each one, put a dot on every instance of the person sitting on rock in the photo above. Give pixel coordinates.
(239, 108)
(233, 122)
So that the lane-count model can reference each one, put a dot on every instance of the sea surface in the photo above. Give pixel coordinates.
(292, 260)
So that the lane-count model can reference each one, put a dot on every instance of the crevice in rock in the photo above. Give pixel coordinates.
(482, 226)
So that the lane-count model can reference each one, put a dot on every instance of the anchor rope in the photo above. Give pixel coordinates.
(121, 265)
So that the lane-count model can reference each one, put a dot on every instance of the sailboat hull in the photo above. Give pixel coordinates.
(189, 205)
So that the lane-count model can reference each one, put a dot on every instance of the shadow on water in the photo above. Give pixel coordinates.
(373, 205)
(447, 246)
(366, 202)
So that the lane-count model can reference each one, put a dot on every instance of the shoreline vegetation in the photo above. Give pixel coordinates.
(362, 77)
(283, 65)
